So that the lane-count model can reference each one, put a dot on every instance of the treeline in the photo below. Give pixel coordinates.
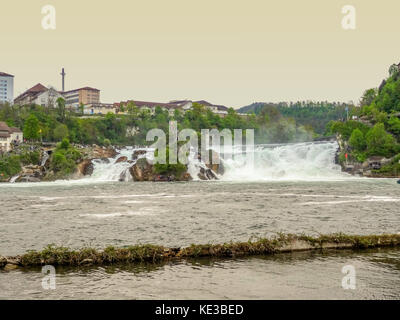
(315, 115)
(54, 124)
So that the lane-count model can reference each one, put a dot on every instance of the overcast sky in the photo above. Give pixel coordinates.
(227, 52)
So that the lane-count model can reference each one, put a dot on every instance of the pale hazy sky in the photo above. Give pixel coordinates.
(228, 52)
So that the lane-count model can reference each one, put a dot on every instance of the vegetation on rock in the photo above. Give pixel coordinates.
(152, 253)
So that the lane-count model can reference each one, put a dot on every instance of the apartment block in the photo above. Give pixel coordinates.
(86, 95)
(6, 88)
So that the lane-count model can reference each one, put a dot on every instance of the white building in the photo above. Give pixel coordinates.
(99, 108)
(8, 136)
(39, 95)
(6, 88)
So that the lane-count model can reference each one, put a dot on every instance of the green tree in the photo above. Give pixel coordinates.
(61, 109)
(394, 69)
(131, 109)
(394, 125)
(357, 140)
(368, 96)
(82, 108)
(31, 128)
(65, 144)
(60, 132)
(380, 143)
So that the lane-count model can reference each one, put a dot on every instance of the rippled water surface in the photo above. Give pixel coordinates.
(177, 214)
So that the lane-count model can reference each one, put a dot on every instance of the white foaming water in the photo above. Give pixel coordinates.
(109, 170)
(194, 165)
(299, 161)
(14, 178)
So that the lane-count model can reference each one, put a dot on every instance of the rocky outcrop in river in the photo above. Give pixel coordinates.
(142, 170)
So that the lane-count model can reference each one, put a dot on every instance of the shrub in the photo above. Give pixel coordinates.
(379, 142)
(60, 132)
(9, 166)
(107, 142)
(65, 144)
(30, 157)
(64, 158)
(169, 169)
(357, 140)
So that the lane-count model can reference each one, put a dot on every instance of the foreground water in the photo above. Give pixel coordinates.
(177, 214)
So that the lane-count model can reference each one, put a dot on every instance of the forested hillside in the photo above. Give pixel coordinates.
(315, 115)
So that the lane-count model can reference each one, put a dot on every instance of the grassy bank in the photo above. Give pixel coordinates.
(151, 253)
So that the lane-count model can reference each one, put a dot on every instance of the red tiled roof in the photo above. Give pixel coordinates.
(3, 74)
(4, 126)
(15, 130)
(39, 88)
(6, 130)
(208, 104)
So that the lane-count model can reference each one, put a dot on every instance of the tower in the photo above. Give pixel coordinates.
(63, 74)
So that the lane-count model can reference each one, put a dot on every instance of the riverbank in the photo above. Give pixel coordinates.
(371, 167)
(50, 162)
(62, 256)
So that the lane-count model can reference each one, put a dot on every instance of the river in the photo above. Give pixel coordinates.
(293, 189)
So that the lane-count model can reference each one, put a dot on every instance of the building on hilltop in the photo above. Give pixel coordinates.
(9, 136)
(149, 106)
(182, 105)
(99, 108)
(6, 88)
(85, 96)
(220, 110)
(40, 95)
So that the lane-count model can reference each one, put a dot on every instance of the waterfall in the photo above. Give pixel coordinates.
(45, 157)
(110, 170)
(195, 165)
(297, 161)
(14, 178)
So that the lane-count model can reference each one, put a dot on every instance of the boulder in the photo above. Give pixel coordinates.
(31, 173)
(85, 168)
(14, 261)
(142, 170)
(186, 177)
(28, 179)
(96, 152)
(104, 160)
(216, 167)
(9, 267)
(207, 174)
(138, 153)
(122, 159)
(3, 261)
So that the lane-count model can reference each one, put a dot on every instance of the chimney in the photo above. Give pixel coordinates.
(63, 74)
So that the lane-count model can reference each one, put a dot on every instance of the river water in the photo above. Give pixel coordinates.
(96, 213)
